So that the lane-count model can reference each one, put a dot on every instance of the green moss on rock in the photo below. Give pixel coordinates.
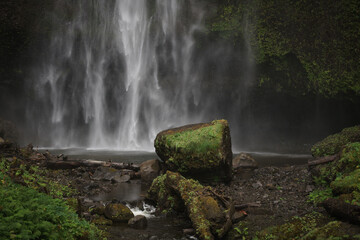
(196, 150)
(118, 212)
(346, 184)
(332, 230)
(209, 212)
(165, 199)
(310, 226)
(348, 162)
(333, 143)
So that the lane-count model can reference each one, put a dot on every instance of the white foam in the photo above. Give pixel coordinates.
(148, 211)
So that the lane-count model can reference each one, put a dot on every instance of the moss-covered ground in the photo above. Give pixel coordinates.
(333, 143)
(340, 178)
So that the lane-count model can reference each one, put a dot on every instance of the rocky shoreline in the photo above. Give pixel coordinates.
(273, 202)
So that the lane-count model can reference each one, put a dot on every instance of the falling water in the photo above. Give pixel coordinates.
(116, 73)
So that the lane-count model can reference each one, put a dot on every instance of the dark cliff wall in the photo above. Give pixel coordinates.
(300, 46)
(23, 27)
(304, 82)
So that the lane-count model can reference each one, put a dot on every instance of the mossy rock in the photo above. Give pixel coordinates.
(209, 212)
(165, 199)
(332, 230)
(332, 144)
(296, 228)
(118, 212)
(346, 184)
(201, 151)
(348, 162)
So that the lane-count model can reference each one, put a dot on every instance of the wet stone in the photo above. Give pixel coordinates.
(138, 222)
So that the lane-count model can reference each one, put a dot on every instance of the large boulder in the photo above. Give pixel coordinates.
(118, 212)
(209, 212)
(201, 151)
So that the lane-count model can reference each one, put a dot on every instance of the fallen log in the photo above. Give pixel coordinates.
(342, 210)
(322, 160)
(246, 205)
(71, 164)
(210, 213)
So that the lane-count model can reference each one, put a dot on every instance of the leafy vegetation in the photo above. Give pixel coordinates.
(348, 162)
(26, 213)
(238, 231)
(34, 177)
(319, 195)
(340, 178)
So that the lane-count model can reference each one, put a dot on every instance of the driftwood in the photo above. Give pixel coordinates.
(342, 210)
(70, 164)
(323, 160)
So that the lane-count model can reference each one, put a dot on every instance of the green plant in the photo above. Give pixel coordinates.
(28, 214)
(318, 196)
(35, 178)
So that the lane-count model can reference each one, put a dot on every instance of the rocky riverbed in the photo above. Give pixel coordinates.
(263, 197)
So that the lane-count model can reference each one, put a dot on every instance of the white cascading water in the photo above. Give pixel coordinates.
(117, 73)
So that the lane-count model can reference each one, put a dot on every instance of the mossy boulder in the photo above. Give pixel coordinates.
(118, 212)
(209, 212)
(332, 144)
(346, 184)
(201, 151)
(328, 231)
(348, 161)
(311, 226)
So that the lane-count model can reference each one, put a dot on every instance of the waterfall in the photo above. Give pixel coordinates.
(115, 73)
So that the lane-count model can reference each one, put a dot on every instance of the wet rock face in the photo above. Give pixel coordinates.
(149, 170)
(201, 151)
(244, 161)
(110, 174)
(8, 131)
(118, 212)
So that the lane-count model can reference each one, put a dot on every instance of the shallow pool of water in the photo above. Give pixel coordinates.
(263, 158)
